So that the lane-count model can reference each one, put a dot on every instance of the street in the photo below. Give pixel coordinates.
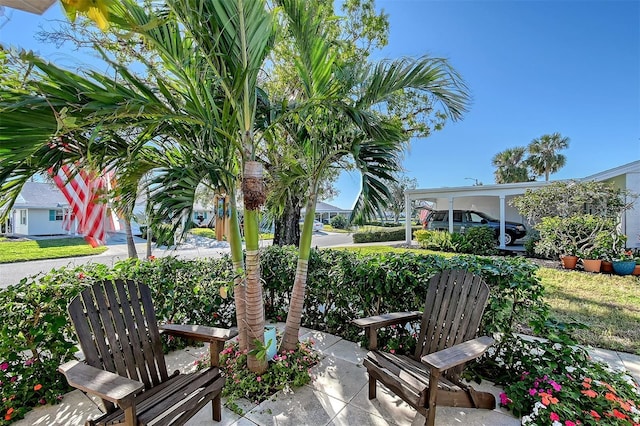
(12, 273)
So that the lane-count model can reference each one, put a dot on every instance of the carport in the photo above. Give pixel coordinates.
(491, 199)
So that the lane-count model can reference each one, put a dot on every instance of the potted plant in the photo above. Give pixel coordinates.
(624, 263)
(609, 245)
(570, 257)
(591, 259)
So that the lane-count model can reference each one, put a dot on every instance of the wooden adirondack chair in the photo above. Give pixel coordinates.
(116, 326)
(453, 310)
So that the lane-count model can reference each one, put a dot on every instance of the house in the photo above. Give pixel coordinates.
(494, 199)
(325, 212)
(40, 209)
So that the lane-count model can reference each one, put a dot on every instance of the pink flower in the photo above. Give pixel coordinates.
(533, 392)
(4, 366)
(569, 423)
(259, 379)
(504, 400)
(554, 417)
(556, 387)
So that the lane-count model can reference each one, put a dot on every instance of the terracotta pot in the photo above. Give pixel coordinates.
(606, 267)
(591, 265)
(569, 262)
(636, 270)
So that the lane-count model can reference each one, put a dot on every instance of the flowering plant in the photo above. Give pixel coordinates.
(591, 393)
(287, 369)
(624, 255)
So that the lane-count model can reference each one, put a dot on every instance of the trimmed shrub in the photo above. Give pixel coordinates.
(339, 222)
(391, 234)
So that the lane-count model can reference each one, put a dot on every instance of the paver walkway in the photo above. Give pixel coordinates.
(337, 396)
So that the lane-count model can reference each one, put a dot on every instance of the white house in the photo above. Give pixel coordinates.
(39, 210)
(494, 199)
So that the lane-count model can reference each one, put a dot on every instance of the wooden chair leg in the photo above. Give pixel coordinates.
(216, 408)
(130, 416)
(372, 387)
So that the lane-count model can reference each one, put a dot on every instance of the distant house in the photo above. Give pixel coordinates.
(325, 212)
(40, 209)
(494, 199)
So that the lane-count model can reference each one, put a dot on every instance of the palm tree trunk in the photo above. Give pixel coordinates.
(254, 197)
(131, 245)
(239, 282)
(294, 316)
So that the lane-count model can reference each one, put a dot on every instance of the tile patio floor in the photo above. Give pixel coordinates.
(337, 396)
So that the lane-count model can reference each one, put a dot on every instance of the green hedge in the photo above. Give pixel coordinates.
(342, 286)
(391, 234)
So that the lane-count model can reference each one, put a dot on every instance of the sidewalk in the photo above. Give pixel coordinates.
(337, 396)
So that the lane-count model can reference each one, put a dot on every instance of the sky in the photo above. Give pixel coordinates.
(532, 67)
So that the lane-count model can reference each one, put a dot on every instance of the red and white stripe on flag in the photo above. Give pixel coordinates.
(83, 192)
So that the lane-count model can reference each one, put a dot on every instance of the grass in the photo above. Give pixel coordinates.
(608, 304)
(20, 251)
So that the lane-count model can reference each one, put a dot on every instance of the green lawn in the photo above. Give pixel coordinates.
(608, 304)
(19, 251)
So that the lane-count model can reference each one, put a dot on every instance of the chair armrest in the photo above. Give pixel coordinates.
(387, 319)
(372, 324)
(215, 336)
(457, 354)
(201, 333)
(105, 384)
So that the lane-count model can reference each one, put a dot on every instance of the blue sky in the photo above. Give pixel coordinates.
(533, 68)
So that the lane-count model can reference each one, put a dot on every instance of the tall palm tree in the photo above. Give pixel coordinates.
(544, 158)
(511, 166)
(342, 121)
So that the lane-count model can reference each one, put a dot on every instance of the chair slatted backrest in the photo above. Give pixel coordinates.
(453, 310)
(116, 326)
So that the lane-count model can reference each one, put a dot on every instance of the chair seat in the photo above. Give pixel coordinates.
(173, 401)
(409, 376)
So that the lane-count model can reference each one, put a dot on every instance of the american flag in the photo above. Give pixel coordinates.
(85, 194)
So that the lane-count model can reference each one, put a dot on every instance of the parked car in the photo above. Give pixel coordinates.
(317, 226)
(462, 219)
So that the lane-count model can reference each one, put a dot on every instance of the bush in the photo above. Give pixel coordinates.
(35, 339)
(391, 234)
(339, 222)
(571, 235)
(476, 240)
(479, 240)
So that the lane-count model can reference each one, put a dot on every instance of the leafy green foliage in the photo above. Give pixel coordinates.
(287, 369)
(579, 234)
(568, 198)
(35, 338)
(478, 240)
(339, 222)
(557, 383)
(391, 234)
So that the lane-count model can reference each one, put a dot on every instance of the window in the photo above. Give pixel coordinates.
(457, 216)
(23, 217)
(475, 217)
(56, 215)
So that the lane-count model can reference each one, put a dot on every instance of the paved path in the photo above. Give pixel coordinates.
(337, 396)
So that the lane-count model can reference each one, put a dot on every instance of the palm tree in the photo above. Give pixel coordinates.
(544, 158)
(342, 121)
(511, 166)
